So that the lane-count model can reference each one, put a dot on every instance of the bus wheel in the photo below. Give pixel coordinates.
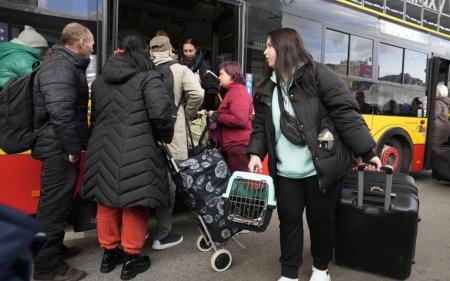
(391, 154)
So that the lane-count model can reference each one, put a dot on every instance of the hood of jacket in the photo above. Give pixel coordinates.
(78, 60)
(161, 58)
(117, 70)
(445, 100)
(9, 48)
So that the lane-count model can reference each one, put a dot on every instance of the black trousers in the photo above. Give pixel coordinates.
(293, 195)
(58, 181)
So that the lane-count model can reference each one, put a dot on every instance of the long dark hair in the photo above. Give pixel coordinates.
(290, 53)
(135, 48)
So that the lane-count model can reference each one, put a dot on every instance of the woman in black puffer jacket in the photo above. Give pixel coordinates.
(306, 168)
(125, 170)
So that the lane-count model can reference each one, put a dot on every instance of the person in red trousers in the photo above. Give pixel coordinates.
(125, 170)
(233, 117)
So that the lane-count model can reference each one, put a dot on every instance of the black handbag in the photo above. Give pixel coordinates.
(84, 214)
(289, 125)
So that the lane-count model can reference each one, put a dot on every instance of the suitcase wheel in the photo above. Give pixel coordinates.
(203, 244)
(221, 260)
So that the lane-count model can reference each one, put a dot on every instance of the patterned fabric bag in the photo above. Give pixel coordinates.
(202, 181)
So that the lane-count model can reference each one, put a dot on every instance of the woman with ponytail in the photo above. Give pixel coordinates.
(125, 171)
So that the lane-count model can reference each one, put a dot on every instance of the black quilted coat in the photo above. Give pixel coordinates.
(124, 166)
(332, 106)
(60, 97)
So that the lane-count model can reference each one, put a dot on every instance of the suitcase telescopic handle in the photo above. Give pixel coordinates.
(387, 191)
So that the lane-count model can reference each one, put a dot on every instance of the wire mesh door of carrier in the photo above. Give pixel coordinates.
(249, 201)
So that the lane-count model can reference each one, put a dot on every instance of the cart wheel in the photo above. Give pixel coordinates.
(202, 244)
(221, 260)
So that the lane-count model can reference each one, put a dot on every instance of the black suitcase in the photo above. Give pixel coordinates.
(440, 163)
(375, 232)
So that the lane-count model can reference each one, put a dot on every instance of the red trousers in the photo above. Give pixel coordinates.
(126, 226)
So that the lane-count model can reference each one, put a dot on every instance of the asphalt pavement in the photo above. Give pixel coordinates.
(259, 261)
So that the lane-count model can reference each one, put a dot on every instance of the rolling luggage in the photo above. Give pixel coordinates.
(376, 222)
(440, 163)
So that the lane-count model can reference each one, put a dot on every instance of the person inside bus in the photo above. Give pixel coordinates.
(185, 87)
(364, 107)
(60, 99)
(416, 107)
(441, 132)
(292, 110)
(125, 171)
(18, 56)
(233, 117)
(193, 57)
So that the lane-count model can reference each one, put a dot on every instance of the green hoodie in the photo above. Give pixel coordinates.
(16, 60)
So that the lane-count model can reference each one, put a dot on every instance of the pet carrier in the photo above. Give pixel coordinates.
(249, 201)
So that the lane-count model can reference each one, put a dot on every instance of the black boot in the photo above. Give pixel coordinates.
(134, 265)
(111, 258)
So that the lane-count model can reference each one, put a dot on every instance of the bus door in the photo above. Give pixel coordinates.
(213, 24)
(438, 74)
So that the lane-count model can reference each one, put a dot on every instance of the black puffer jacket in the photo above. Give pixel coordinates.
(61, 98)
(131, 110)
(333, 107)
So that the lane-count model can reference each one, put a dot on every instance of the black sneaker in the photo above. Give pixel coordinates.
(134, 265)
(69, 252)
(111, 258)
(170, 240)
(71, 274)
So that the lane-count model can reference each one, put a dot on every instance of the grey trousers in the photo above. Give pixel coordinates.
(164, 215)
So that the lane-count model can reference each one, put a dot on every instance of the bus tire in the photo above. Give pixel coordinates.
(397, 154)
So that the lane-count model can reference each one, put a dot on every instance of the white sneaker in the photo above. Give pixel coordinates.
(282, 278)
(320, 275)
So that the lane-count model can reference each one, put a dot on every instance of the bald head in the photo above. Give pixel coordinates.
(78, 38)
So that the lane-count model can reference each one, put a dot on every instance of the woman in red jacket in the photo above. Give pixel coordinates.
(234, 117)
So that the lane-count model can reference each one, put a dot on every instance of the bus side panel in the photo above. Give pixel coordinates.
(419, 152)
(20, 181)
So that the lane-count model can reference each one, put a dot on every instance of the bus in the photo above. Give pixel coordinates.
(392, 55)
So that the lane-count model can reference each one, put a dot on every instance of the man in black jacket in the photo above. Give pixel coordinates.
(60, 96)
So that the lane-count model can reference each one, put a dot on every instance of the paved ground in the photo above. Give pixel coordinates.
(260, 260)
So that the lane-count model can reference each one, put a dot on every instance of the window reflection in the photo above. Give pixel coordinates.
(336, 51)
(415, 68)
(360, 57)
(310, 31)
(361, 92)
(390, 63)
(397, 100)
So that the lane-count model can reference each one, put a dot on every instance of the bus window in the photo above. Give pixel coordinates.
(361, 92)
(394, 8)
(361, 51)
(415, 68)
(444, 24)
(336, 51)
(310, 31)
(261, 20)
(390, 63)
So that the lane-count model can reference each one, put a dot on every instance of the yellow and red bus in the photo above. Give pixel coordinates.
(391, 54)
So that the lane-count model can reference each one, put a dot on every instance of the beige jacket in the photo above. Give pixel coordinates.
(183, 80)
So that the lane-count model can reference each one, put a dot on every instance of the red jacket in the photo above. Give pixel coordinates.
(235, 117)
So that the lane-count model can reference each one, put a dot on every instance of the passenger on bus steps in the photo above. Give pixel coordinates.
(307, 173)
(18, 56)
(60, 97)
(193, 57)
(125, 171)
(233, 117)
(441, 132)
(185, 87)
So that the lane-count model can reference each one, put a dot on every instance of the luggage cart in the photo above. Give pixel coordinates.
(221, 259)
(249, 201)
